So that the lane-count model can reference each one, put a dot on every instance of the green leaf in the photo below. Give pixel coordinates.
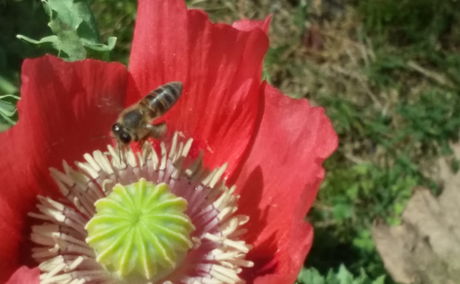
(379, 280)
(111, 41)
(7, 108)
(342, 276)
(76, 15)
(311, 276)
(7, 111)
(6, 87)
(74, 30)
(342, 210)
(67, 41)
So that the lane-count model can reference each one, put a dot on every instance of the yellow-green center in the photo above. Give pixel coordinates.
(140, 231)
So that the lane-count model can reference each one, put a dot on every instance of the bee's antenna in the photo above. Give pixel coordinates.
(100, 137)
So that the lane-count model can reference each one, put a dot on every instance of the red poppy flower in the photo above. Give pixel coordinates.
(273, 145)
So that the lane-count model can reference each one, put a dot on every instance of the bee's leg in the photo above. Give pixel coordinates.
(156, 130)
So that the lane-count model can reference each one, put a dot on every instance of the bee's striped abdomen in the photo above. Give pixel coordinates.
(163, 98)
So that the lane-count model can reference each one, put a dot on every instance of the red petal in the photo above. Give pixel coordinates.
(278, 184)
(248, 25)
(25, 275)
(66, 109)
(219, 65)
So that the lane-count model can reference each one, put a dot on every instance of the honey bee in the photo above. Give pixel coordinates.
(135, 122)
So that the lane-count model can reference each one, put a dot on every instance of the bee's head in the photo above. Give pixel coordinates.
(120, 134)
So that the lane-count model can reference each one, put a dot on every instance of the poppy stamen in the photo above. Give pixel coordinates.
(213, 252)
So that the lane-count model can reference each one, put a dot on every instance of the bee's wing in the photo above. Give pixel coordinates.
(107, 105)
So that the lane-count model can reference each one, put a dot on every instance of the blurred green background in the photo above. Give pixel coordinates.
(387, 72)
